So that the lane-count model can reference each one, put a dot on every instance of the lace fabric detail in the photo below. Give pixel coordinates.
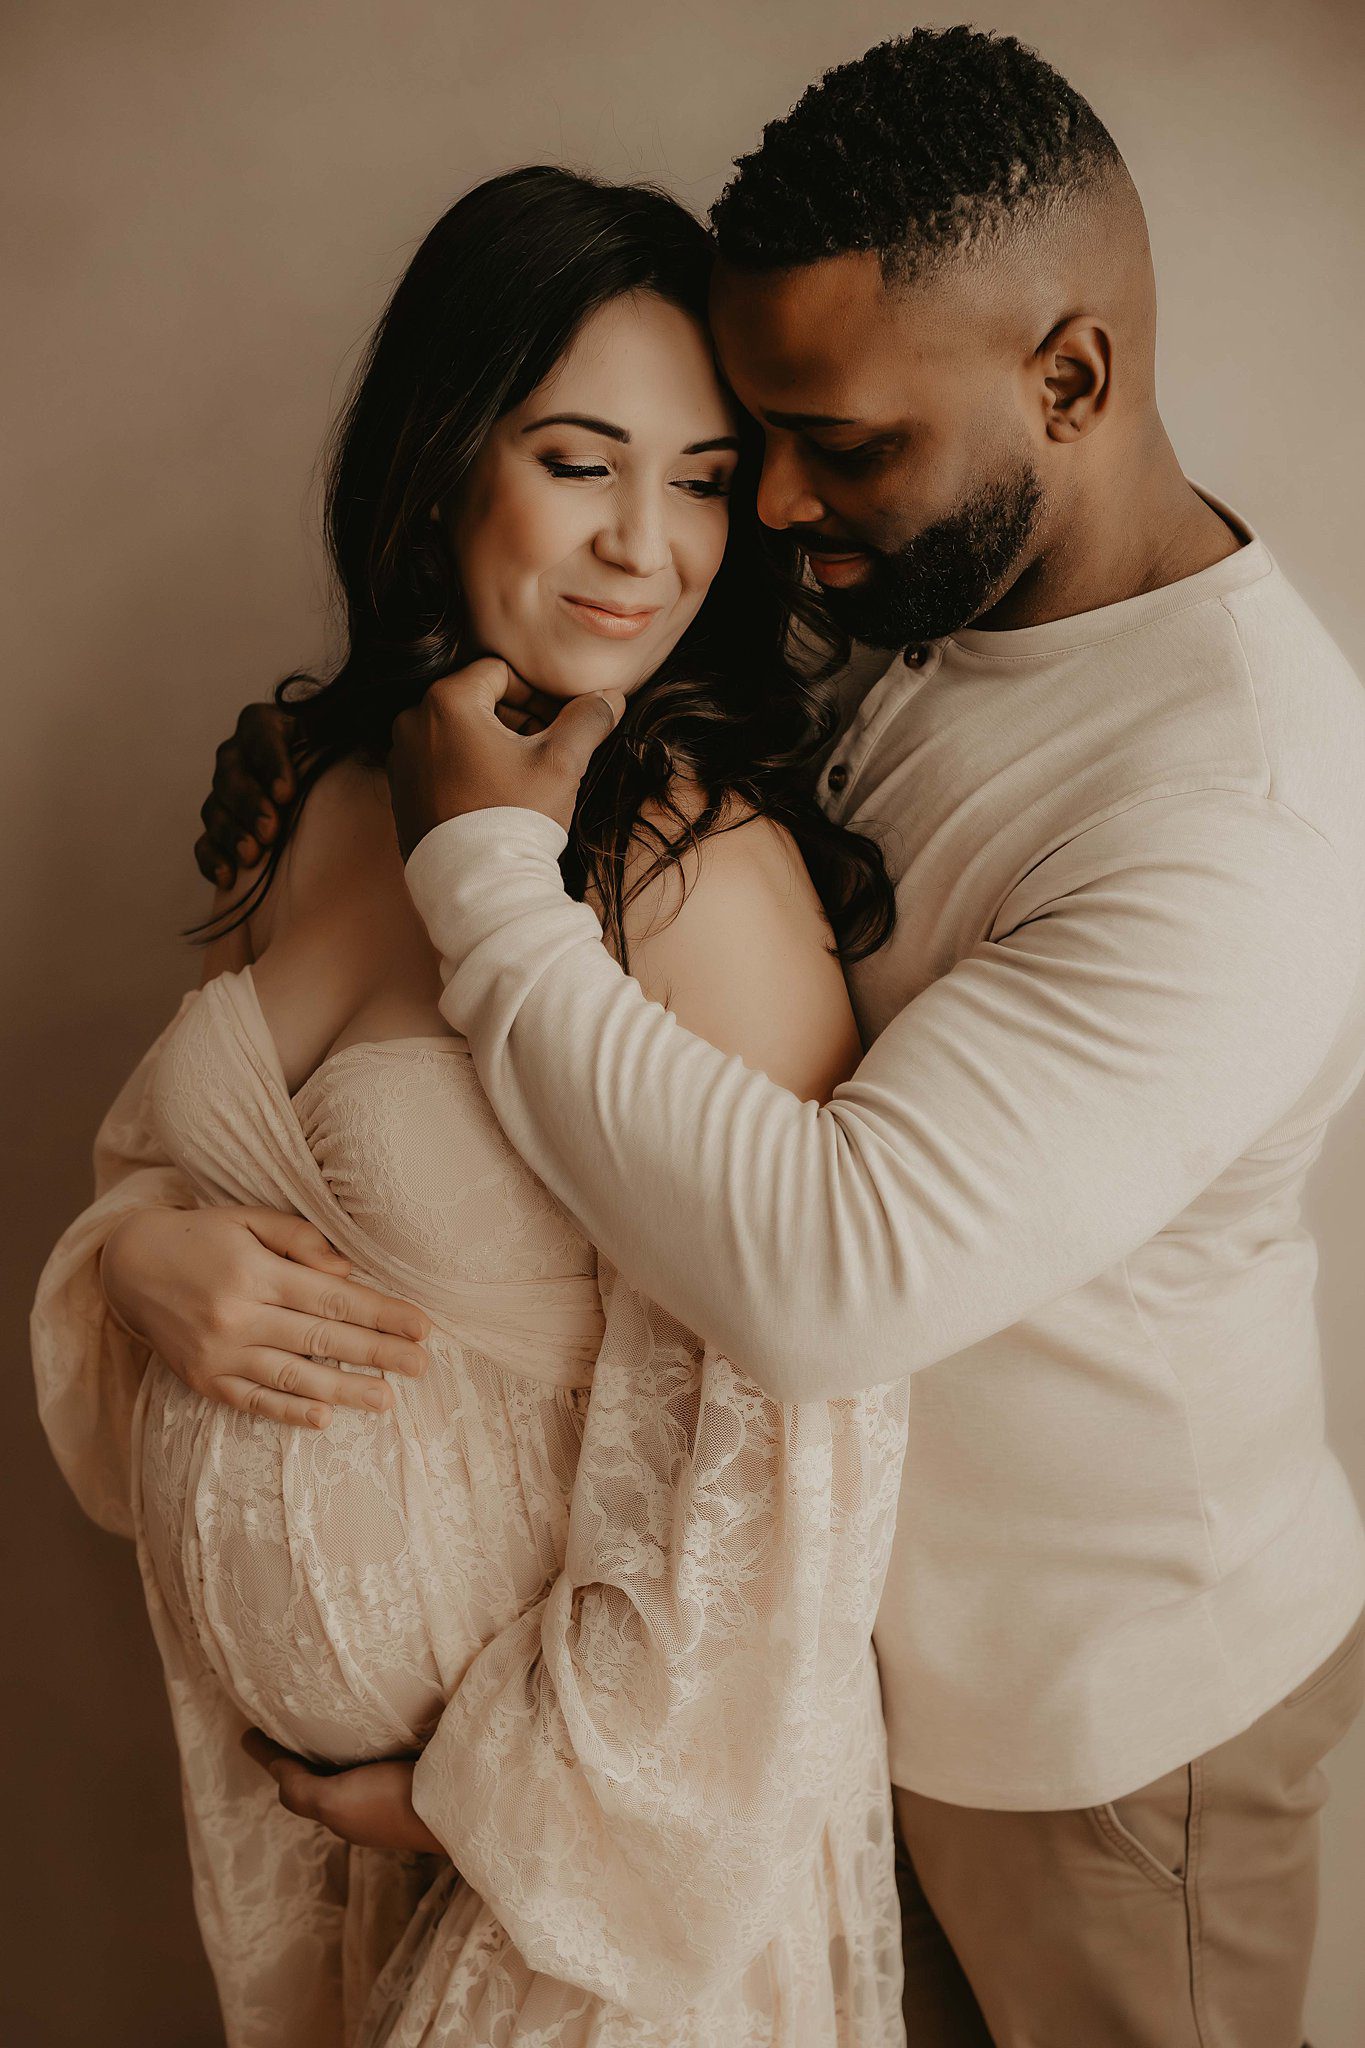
(462, 1203)
(619, 1602)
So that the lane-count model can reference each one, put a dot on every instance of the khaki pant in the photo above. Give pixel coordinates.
(1181, 1916)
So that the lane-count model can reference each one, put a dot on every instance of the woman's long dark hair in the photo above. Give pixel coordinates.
(488, 306)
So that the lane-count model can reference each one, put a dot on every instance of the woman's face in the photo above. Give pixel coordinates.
(590, 526)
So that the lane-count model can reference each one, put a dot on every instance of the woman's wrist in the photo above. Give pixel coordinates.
(111, 1302)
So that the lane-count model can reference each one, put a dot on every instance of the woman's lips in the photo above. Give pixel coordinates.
(838, 570)
(613, 625)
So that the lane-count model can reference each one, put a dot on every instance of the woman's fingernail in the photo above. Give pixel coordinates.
(376, 1399)
(280, 786)
(318, 1417)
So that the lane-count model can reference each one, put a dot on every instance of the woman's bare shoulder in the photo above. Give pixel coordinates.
(349, 799)
(735, 941)
(341, 844)
(744, 850)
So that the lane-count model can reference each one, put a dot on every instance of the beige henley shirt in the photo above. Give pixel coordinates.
(1062, 1190)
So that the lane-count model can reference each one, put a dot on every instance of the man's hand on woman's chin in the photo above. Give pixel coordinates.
(369, 1805)
(255, 773)
(454, 752)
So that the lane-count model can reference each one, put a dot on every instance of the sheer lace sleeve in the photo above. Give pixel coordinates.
(636, 1773)
(87, 1367)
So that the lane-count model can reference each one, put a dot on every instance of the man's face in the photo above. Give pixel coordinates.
(897, 428)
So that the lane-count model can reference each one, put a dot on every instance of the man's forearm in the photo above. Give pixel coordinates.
(1030, 1119)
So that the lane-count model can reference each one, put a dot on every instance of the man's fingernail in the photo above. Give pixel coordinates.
(222, 876)
(280, 786)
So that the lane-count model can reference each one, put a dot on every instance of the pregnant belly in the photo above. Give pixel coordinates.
(334, 1581)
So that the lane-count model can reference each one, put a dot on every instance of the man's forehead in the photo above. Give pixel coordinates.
(794, 310)
(833, 329)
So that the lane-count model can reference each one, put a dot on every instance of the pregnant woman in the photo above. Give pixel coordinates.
(615, 1603)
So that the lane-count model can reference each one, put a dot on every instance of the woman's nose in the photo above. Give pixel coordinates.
(636, 540)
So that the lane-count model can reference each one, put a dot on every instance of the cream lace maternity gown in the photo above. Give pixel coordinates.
(619, 1601)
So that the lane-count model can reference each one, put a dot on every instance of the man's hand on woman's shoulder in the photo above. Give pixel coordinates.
(255, 782)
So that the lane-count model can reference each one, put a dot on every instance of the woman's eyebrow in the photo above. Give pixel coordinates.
(615, 433)
(578, 419)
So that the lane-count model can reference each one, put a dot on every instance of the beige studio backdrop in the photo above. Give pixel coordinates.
(205, 206)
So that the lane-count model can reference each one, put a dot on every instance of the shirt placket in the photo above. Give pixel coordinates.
(882, 703)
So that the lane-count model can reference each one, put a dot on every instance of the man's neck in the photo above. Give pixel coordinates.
(1118, 541)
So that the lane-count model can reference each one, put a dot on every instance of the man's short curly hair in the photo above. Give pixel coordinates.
(937, 143)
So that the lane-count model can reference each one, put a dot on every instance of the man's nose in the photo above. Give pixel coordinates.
(786, 496)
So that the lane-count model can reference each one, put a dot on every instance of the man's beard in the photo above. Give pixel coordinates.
(948, 575)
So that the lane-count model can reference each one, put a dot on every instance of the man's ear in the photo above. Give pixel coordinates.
(1076, 361)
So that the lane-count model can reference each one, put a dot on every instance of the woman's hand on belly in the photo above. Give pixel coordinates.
(369, 1805)
(245, 1305)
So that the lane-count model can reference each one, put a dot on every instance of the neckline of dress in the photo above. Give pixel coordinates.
(446, 1041)
(458, 1307)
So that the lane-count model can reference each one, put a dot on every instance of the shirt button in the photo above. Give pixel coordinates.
(837, 778)
(915, 657)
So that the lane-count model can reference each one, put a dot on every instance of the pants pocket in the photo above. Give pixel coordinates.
(1346, 1649)
(1150, 1827)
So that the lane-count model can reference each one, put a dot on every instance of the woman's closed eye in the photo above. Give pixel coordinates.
(558, 468)
(695, 486)
(706, 486)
